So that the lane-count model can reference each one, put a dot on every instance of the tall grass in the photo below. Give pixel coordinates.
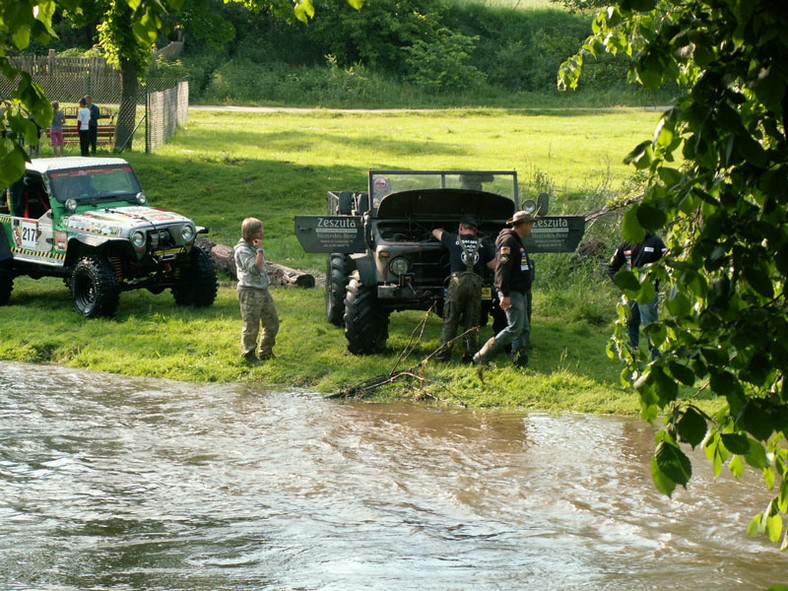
(223, 167)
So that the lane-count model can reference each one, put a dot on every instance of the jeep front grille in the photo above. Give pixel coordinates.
(160, 239)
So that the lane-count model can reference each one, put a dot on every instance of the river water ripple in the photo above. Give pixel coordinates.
(120, 483)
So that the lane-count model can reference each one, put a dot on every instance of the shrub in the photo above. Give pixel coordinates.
(444, 64)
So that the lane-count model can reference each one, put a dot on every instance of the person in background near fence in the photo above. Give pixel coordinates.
(56, 129)
(257, 306)
(83, 125)
(95, 115)
(34, 149)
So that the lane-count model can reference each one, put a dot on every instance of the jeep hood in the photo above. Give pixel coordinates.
(120, 220)
(429, 203)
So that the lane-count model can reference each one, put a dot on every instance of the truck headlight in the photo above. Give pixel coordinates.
(187, 233)
(141, 199)
(399, 266)
(137, 238)
(71, 204)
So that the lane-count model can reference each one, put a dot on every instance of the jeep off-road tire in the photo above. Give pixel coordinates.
(6, 281)
(336, 286)
(366, 328)
(198, 285)
(95, 290)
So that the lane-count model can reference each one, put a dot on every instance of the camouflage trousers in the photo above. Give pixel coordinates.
(463, 303)
(257, 309)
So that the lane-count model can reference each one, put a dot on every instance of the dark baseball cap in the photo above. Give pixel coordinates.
(469, 220)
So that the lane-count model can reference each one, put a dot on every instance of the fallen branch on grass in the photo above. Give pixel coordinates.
(415, 372)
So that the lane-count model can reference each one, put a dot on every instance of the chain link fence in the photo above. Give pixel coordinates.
(165, 111)
(151, 118)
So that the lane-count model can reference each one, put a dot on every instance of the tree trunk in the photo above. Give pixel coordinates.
(127, 115)
(224, 260)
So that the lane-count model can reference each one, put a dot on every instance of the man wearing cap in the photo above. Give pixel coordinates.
(468, 256)
(513, 283)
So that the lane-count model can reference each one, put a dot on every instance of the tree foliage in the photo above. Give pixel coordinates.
(718, 188)
(128, 31)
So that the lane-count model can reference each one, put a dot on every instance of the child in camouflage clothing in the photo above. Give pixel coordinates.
(257, 306)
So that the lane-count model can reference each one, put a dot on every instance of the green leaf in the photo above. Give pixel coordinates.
(304, 10)
(760, 280)
(774, 528)
(630, 226)
(754, 527)
(736, 466)
(715, 356)
(650, 217)
(21, 37)
(641, 156)
(756, 454)
(12, 166)
(665, 386)
(673, 463)
(648, 397)
(626, 280)
(725, 384)
(662, 482)
(782, 501)
(692, 427)
(683, 374)
(768, 477)
(754, 419)
(647, 292)
(735, 443)
(669, 176)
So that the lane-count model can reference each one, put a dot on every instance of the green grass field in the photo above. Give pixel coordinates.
(223, 166)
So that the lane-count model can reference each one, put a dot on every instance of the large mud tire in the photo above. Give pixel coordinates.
(365, 326)
(198, 284)
(6, 281)
(336, 285)
(95, 290)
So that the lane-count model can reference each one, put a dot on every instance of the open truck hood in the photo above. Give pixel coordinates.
(446, 203)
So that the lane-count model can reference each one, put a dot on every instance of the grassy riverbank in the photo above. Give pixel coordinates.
(225, 166)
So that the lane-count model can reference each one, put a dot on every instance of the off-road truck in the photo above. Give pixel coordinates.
(87, 220)
(382, 256)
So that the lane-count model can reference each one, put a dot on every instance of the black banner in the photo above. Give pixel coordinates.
(560, 233)
(330, 233)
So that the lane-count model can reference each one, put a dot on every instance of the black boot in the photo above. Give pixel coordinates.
(520, 358)
(486, 353)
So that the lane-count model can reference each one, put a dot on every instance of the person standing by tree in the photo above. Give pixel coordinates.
(513, 282)
(257, 305)
(83, 126)
(468, 257)
(631, 257)
(95, 115)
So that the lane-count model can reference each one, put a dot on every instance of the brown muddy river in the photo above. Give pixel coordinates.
(109, 482)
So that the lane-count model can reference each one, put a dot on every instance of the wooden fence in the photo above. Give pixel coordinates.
(67, 79)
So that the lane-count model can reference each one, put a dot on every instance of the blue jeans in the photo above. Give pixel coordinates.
(643, 314)
(518, 327)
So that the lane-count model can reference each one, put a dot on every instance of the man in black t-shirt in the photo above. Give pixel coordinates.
(468, 257)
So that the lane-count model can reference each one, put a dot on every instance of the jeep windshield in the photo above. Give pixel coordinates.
(387, 182)
(95, 185)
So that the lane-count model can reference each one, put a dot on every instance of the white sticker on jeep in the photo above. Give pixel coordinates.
(25, 233)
